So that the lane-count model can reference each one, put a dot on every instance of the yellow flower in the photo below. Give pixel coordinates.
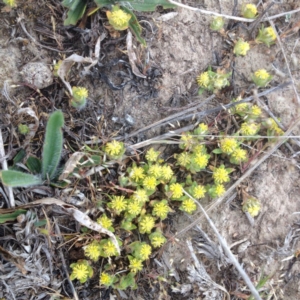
(146, 224)
(10, 3)
(152, 155)
(81, 271)
(255, 111)
(166, 172)
(203, 127)
(249, 11)
(252, 206)
(272, 125)
(80, 95)
(270, 32)
(239, 155)
(219, 190)
(249, 128)
(134, 208)
(220, 175)
(157, 239)
(161, 209)
(137, 173)
(140, 196)
(241, 48)
(262, 74)
(118, 203)
(155, 171)
(114, 148)
(105, 222)
(217, 23)
(183, 159)
(188, 206)
(176, 190)
(228, 145)
(118, 18)
(187, 140)
(145, 251)
(242, 107)
(135, 265)
(150, 183)
(203, 80)
(198, 191)
(106, 279)
(92, 251)
(199, 149)
(109, 248)
(201, 160)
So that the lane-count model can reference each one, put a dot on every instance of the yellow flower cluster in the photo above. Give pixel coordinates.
(145, 251)
(137, 173)
(176, 190)
(219, 190)
(249, 128)
(146, 224)
(93, 251)
(228, 145)
(161, 209)
(109, 248)
(188, 205)
(118, 204)
(135, 265)
(81, 271)
(198, 191)
(114, 148)
(220, 175)
(241, 48)
(106, 279)
(150, 183)
(266, 36)
(249, 11)
(134, 208)
(152, 155)
(203, 80)
(201, 160)
(105, 222)
(239, 155)
(255, 110)
(118, 18)
(183, 159)
(140, 196)
(157, 239)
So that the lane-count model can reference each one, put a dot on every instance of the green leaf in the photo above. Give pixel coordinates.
(135, 26)
(102, 3)
(19, 179)
(149, 5)
(34, 165)
(53, 145)
(11, 216)
(76, 11)
(19, 157)
(127, 281)
(217, 151)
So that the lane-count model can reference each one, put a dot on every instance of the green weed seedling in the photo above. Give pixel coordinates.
(45, 169)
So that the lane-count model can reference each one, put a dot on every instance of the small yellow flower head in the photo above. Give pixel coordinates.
(140, 196)
(184, 159)
(220, 175)
(155, 170)
(109, 249)
(105, 222)
(228, 145)
(81, 271)
(145, 251)
(220, 81)
(152, 155)
(241, 48)
(106, 279)
(217, 23)
(203, 80)
(200, 149)
(135, 264)
(157, 239)
(10, 3)
(261, 78)
(272, 125)
(115, 149)
(266, 36)
(150, 183)
(255, 111)
(203, 127)
(198, 191)
(249, 11)
(187, 140)
(23, 129)
(93, 251)
(118, 19)
(239, 155)
(146, 224)
(56, 67)
(177, 190)
(249, 128)
(188, 205)
(161, 209)
(137, 173)
(118, 204)
(166, 172)
(219, 190)
(134, 207)
(80, 95)
(252, 206)
(201, 160)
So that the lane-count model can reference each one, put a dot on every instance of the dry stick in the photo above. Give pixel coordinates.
(227, 250)
(4, 167)
(286, 62)
(232, 17)
(218, 201)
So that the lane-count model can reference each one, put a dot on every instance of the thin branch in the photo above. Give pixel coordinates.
(4, 167)
(227, 250)
(206, 12)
